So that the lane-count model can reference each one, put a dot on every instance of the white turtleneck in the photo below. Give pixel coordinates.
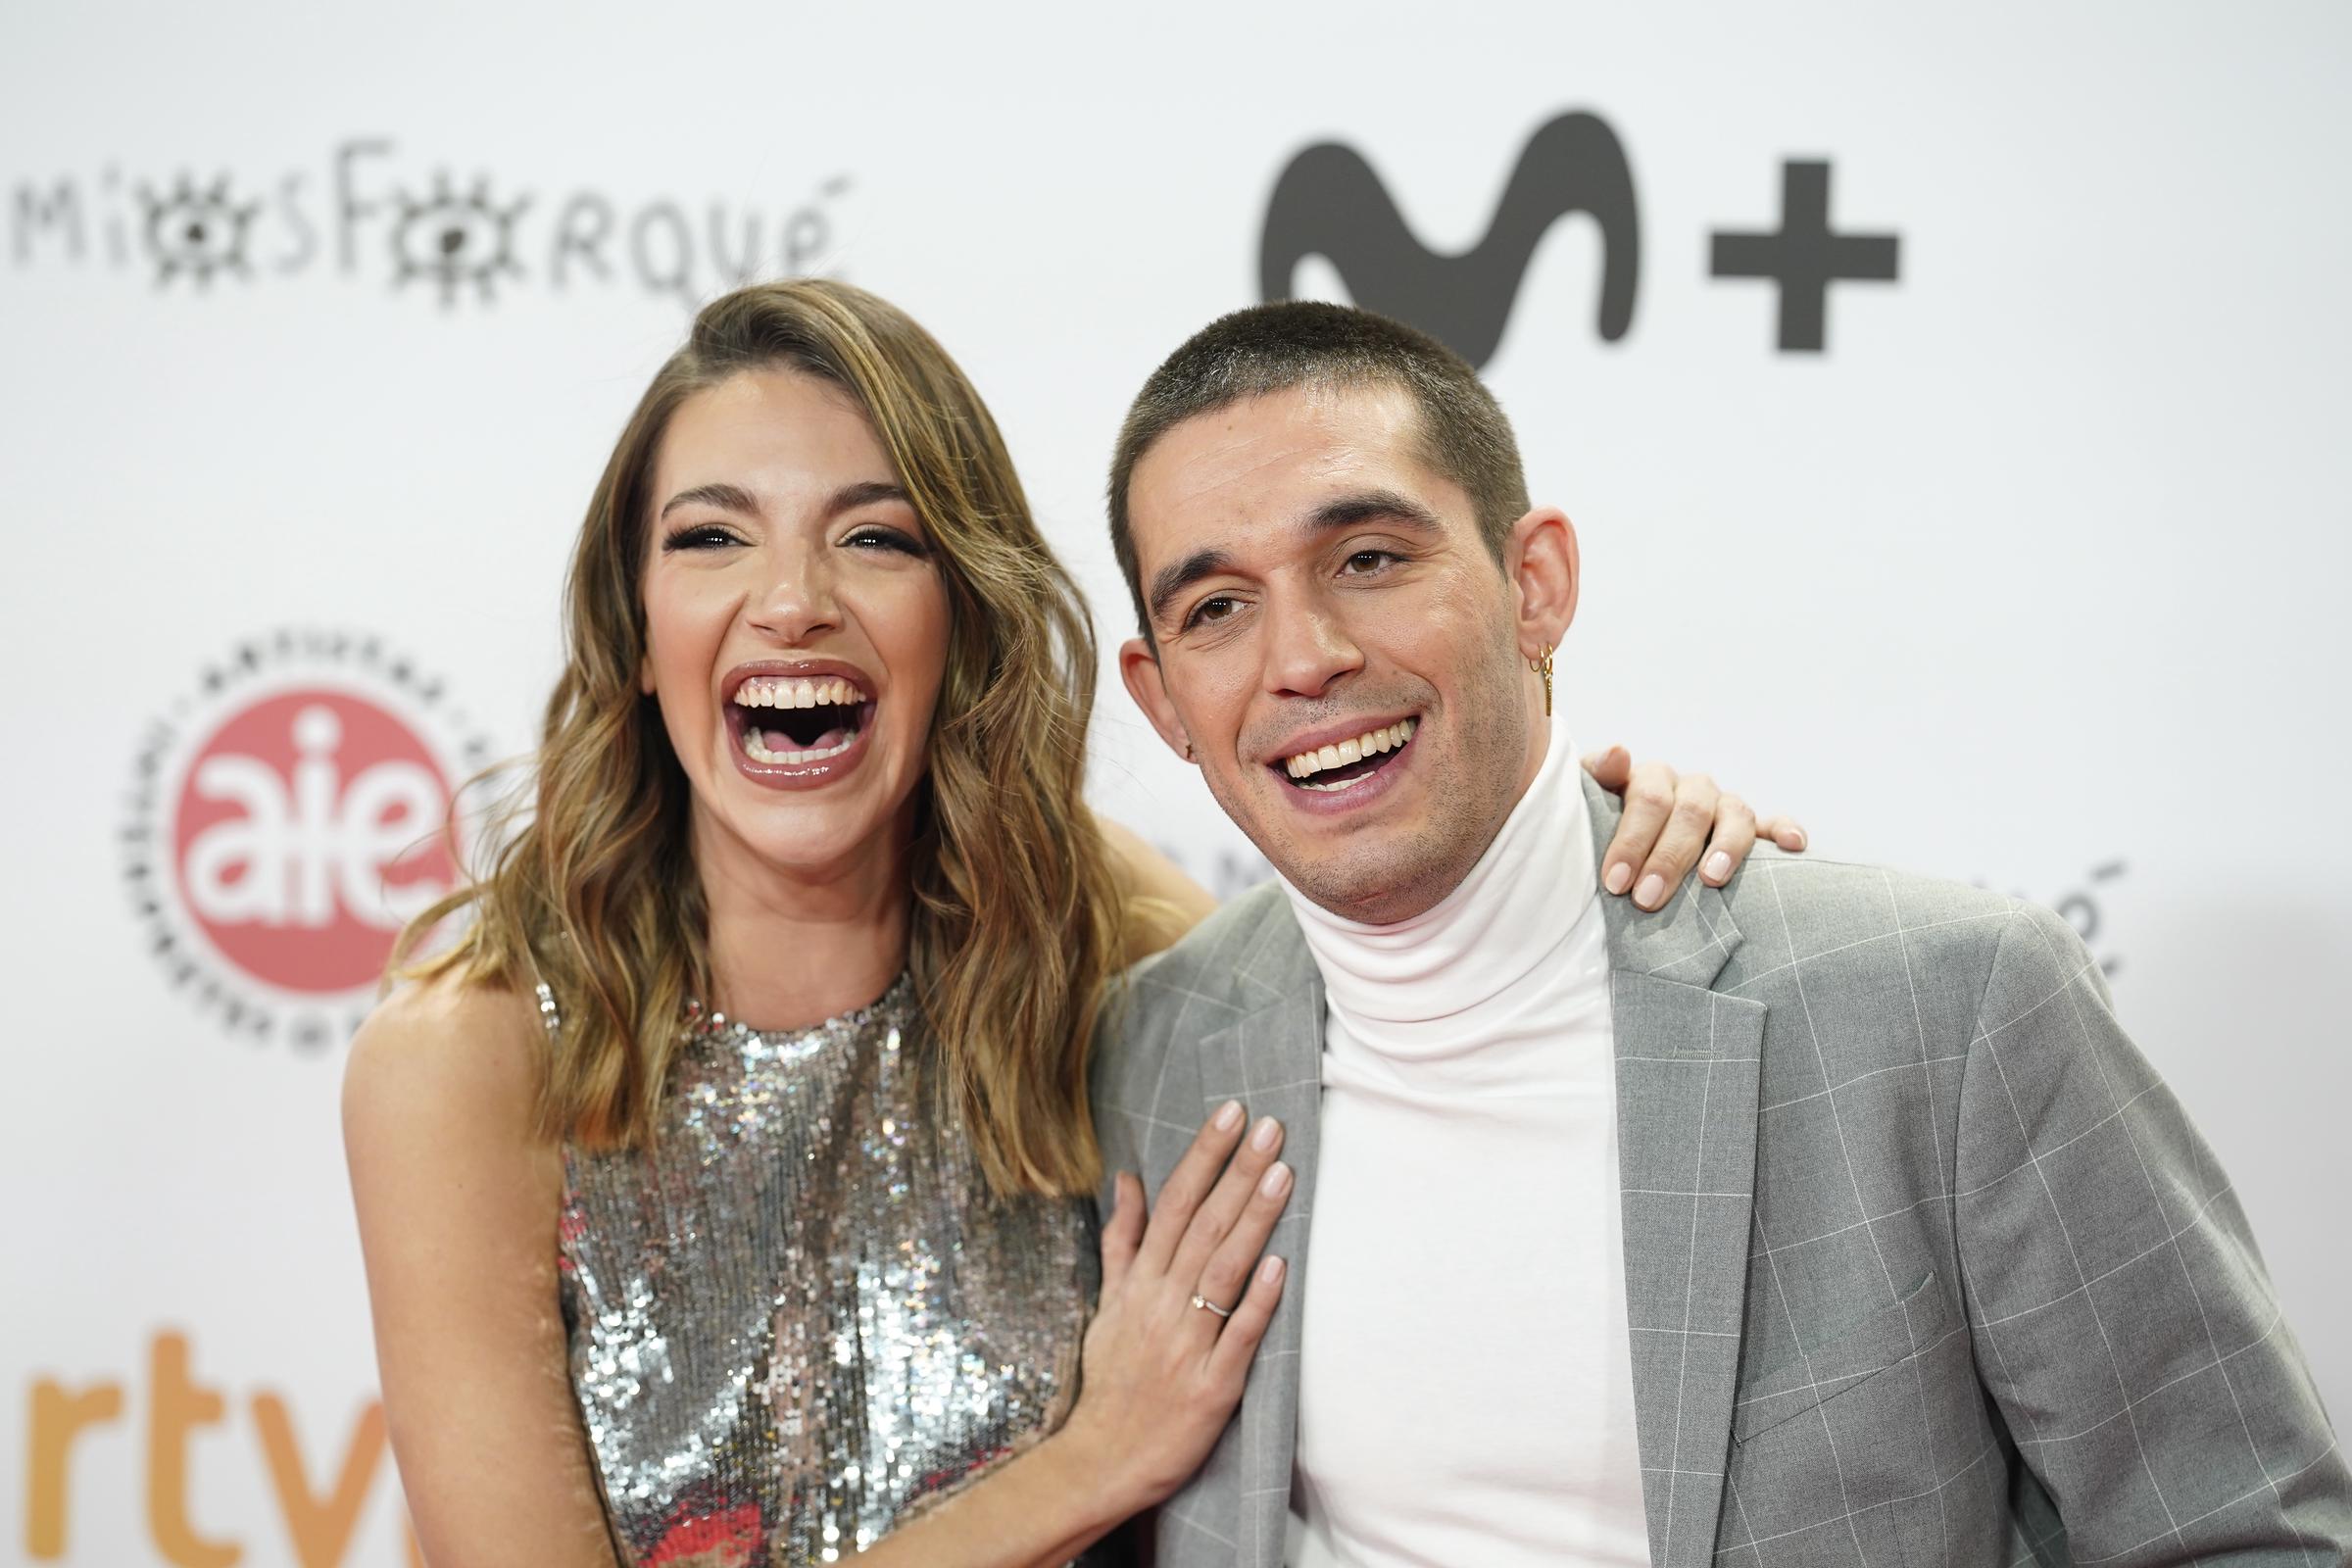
(1465, 1384)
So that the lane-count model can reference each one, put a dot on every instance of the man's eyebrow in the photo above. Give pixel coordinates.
(725, 497)
(1366, 506)
(1173, 579)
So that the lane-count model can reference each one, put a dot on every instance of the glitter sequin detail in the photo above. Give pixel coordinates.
(799, 1314)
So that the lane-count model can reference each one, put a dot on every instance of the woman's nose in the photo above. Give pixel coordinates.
(797, 603)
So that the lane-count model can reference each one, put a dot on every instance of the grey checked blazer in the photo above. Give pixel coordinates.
(1923, 1263)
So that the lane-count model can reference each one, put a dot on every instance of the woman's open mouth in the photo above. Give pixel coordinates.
(797, 729)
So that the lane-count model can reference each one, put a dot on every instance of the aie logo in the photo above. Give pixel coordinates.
(309, 827)
(288, 823)
(1330, 203)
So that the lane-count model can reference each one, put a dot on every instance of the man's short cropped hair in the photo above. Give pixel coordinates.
(1273, 348)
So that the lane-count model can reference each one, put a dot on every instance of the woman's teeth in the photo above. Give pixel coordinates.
(800, 739)
(784, 691)
(755, 746)
(1307, 765)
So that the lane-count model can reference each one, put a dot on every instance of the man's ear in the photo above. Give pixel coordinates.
(1140, 669)
(1541, 563)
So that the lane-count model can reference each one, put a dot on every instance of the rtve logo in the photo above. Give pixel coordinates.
(1329, 202)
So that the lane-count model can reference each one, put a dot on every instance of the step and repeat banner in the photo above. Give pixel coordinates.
(1951, 399)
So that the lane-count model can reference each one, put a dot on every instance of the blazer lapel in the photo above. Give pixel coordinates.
(1271, 1060)
(1687, 1081)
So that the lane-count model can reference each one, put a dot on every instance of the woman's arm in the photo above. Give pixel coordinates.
(457, 1204)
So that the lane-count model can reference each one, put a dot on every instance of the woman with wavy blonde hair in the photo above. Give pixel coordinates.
(724, 1182)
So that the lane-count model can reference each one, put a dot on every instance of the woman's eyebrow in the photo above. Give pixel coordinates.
(725, 497)
(735, 497)
(864, 493)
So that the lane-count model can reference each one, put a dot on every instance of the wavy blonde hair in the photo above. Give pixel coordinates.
(1015, 922)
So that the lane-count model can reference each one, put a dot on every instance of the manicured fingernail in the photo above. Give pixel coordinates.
(1229, 1115)
(1276, 1181)
(1798, 834)
(1653, 891)
(1620, 876)
(1269, 1129)
(1270, 1271)
(1719, 866)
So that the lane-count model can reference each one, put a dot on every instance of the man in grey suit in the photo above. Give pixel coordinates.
(1828, 1218)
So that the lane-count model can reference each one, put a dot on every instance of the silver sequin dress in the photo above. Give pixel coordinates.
(798, 1314)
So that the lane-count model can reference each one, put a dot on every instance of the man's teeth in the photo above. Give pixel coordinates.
(784, 691)
(755, 746)
(1307, 765)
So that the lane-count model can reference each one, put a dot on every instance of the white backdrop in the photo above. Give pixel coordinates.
(2033, 577)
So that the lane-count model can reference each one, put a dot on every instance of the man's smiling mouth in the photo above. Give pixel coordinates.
(1346, 764)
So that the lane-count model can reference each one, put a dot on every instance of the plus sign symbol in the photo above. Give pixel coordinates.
(1805, 257)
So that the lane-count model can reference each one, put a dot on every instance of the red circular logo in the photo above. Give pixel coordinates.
(307, 830)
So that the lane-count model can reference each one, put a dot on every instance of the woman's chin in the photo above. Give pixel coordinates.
(803, 834)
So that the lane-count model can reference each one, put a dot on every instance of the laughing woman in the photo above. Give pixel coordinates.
(724, 1186)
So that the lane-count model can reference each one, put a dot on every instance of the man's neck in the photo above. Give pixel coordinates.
(1516, 903)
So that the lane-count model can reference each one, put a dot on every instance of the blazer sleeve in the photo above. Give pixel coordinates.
(2120, 1315)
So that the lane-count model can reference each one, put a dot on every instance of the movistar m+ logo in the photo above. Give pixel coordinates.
(1329, 202)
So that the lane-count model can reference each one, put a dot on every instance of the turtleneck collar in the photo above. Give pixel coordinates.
(1476, 947)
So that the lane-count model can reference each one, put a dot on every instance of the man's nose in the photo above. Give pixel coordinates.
(797, 603)
(1308, 647)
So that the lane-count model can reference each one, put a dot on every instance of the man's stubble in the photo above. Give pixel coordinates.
(1397, 873)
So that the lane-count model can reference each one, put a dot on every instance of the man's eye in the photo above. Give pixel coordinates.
(700, 536)
(1368, 561)
(1208, 611)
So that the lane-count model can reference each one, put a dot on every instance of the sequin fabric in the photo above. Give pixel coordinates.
(799, 1314)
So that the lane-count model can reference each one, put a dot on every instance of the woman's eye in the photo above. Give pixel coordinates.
(701, 536)
(887, 539)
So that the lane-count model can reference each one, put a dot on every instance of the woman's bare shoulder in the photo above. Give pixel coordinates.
(448, 1049)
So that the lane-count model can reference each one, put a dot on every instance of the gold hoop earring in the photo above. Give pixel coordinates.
(1541, 665)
